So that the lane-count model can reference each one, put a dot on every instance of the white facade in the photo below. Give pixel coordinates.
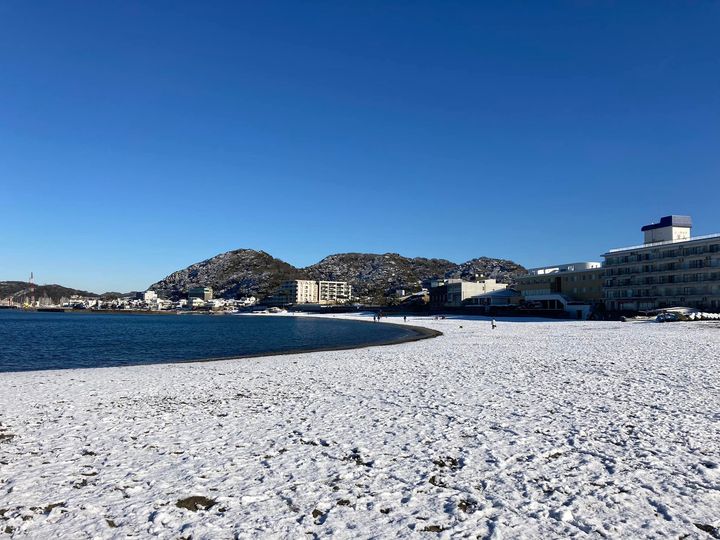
(669, 229)
(149, 296)
(304, 291)
(334, 292)
(459, 290)
(194, 302)
(299, 291)
(569, 267)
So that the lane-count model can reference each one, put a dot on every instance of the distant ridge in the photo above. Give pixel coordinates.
(19, 290)
(247, 272)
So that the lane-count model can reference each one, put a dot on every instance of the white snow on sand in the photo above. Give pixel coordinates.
(534, 430)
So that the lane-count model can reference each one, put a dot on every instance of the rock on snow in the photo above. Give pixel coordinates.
(536, 429)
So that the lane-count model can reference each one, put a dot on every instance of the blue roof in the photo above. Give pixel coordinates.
(670, 221)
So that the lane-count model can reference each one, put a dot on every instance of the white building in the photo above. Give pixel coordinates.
(299, 291)
(458, 290)
(334, 292)
(194, 302)
(671, 268)
(304, 291)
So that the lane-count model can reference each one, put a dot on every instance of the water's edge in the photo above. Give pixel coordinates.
(413, 333)
(420, 333)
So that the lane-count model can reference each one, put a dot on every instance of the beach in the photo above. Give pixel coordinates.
(544, 429)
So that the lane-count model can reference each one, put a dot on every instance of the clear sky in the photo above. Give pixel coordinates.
(139, 137)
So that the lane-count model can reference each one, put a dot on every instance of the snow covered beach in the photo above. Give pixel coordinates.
(536, 429)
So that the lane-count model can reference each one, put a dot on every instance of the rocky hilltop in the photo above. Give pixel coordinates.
(501, 269)
(373, 275)
(18, 291)
(376, 275)
(246, 272)
(243, 272)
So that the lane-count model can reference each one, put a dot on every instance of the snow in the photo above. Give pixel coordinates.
(535, 429)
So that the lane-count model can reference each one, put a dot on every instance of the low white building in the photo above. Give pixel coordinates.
(194, 302)
(458, 290)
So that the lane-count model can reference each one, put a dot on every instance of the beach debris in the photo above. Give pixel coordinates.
(357, 458)
(435, 481)
(433, 528)
(449, 461)
(468, 506)
(195, 503)
(712, 531)
(6, 437)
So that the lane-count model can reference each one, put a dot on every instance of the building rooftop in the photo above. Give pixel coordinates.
(568, 267)
(669, 221)
(666, 242)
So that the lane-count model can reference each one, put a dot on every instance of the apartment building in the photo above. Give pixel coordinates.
(299, 291)
(671, 268)
(334, 292)
(303, 291)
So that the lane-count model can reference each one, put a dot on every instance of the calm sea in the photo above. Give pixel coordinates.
(32, 340)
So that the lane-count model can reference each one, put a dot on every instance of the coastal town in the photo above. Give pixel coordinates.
(360, 270)
(670, 269)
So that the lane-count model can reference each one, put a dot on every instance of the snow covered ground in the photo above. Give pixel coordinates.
(534, 430)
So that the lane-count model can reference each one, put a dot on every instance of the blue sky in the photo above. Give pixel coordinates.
(139, 137)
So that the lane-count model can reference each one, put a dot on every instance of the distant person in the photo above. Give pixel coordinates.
(404, 318)
(493, 325)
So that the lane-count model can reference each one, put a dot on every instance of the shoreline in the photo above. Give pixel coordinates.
(419, 333)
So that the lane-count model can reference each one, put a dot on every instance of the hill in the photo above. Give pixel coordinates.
(243, 272)
(374, 274)
(377, 274)
(246, 272)
(19, 290)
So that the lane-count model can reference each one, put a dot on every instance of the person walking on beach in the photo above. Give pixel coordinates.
(404, 318)
(493, 325)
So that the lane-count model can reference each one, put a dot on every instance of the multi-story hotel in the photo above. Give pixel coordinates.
(670, 269)
(304, 291)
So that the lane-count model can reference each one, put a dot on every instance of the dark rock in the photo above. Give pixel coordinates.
(712, 531)
(195, 503)
(434, 528)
